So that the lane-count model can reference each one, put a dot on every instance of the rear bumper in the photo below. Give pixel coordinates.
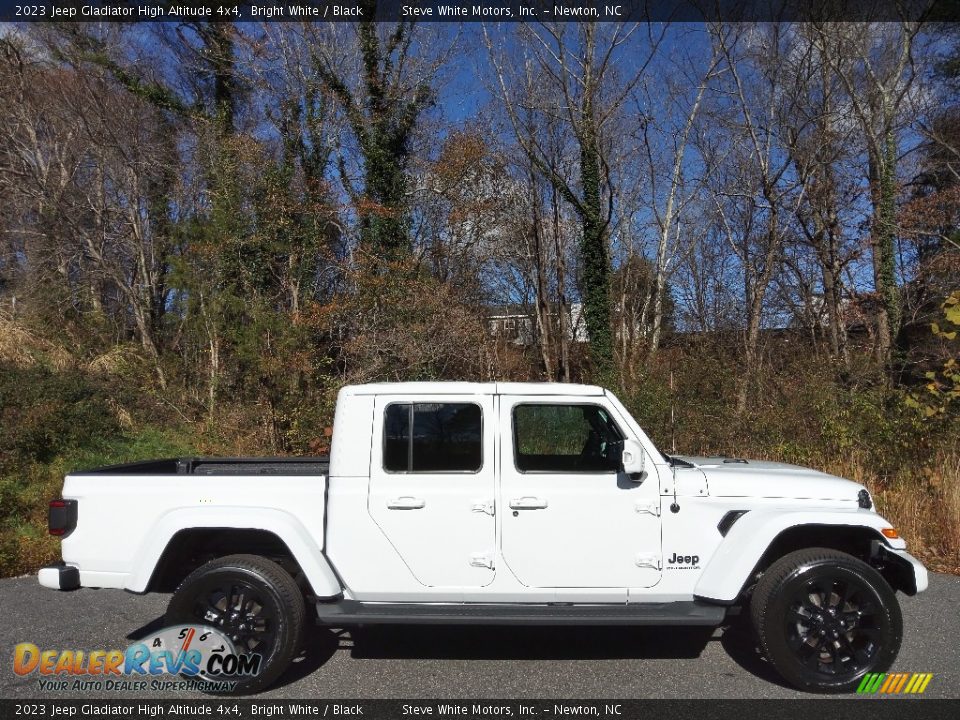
(59, 576)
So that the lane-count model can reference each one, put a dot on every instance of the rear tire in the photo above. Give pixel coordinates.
(260, 608)
(824, 619)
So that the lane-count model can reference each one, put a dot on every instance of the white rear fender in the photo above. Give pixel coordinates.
(287, 528)
(752, 534)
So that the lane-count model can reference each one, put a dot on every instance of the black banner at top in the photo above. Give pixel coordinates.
(476, 10)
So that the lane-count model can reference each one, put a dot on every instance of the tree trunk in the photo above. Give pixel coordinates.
(595, 284)
(755, 300)
(883, 231)
(544, 341)
(563, 307)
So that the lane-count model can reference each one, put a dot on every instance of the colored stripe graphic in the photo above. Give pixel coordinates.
(903, 681)
(889, 682)
(894, 683)
(871, 683)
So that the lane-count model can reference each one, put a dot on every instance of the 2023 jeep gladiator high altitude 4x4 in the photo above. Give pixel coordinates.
(497, 503)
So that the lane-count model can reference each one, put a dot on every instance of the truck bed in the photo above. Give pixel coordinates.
(218, 466)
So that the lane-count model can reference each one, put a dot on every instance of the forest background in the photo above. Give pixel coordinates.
(751, 232)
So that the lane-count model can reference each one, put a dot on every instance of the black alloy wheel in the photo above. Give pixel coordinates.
(824, 619)
(254, 602)
(833, 625)
(238, 609)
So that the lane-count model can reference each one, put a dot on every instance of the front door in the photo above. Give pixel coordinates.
(570, 518)
(432, 486)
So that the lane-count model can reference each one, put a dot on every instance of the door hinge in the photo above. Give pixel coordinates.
(652, 507)
(484, 506)
(649, 560)
(483, 560)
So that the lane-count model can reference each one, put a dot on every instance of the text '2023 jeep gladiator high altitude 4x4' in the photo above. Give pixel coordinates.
(499, 503)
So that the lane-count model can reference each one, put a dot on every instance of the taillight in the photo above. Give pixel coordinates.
(62, 517)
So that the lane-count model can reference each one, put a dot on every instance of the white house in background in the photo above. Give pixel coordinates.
(519, 327)
(515, 327)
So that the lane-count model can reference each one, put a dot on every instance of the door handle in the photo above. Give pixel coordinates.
(406, 503)
(528, 503)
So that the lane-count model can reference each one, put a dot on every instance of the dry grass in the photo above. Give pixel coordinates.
(926, 511)
(21, 348)
(923, 504)
(118, 360)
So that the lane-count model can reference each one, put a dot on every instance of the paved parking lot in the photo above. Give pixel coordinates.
(445, 662)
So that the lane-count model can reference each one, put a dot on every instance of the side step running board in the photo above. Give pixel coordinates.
(350, 612)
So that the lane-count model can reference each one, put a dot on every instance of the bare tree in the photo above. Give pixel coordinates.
(672, 181)
(755, 187)
(87, 168)
(382, 87)
(572, 71)
(819, 143)
(876, 64)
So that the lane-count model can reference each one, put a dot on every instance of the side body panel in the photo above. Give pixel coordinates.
(698, 559)
(124, 523)
(569, 529)
(440, 522)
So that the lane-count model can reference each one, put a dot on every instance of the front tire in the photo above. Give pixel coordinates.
(253, 601)
(824, 619)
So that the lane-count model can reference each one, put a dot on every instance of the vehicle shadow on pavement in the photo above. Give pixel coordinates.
(319, 645)
(424, 642)
(149, 628)
(524, 643)
(738, 642)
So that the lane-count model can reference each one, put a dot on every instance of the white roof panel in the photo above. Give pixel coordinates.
(547, 388)
(422, 388)
(473, 388)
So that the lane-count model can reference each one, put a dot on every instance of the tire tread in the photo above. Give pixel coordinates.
(771, 581)
(291, 600)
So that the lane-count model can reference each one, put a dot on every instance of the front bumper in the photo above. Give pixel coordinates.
(59, 576)
(909, 573)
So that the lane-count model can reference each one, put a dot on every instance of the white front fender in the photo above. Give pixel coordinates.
(291, 531)
(751, 535)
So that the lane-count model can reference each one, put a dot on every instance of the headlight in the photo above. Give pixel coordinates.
(863, 500)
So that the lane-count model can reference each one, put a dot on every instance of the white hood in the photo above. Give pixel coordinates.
(731, 477)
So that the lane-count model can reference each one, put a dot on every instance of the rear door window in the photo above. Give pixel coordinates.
(432, 437)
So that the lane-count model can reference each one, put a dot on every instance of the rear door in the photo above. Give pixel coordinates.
(570, 519)
(432, 485)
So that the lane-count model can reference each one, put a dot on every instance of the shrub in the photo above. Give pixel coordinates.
(45, 413)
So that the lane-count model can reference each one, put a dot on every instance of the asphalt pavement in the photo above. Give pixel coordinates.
(449, 662)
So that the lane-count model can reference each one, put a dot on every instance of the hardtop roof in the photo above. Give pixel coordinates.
(474, 388)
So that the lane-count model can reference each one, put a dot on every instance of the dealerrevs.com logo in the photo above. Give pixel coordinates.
(202, 656)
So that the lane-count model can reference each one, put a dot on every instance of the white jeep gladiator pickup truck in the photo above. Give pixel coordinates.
(497, 503)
